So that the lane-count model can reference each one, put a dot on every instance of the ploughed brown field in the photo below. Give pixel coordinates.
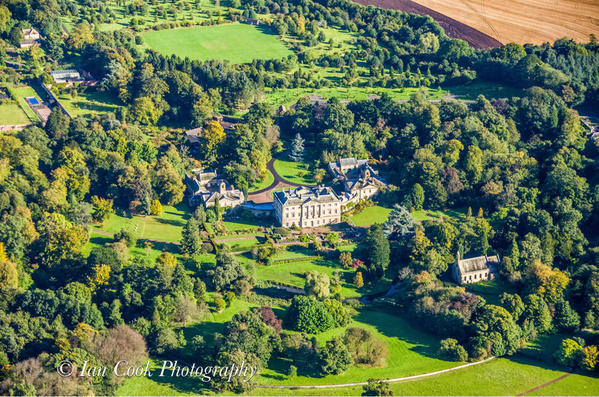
(519, 21)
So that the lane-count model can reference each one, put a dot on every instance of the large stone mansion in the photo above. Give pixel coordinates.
(307, 207)
(316, 206)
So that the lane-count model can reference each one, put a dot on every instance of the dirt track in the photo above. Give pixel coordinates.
(452, 27)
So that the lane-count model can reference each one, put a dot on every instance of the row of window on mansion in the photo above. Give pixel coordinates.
(312, 212)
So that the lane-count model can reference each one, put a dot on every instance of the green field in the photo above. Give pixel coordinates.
(12, 114)
(235, 42)
(86, 103)
(371, 215)
(166, 227)
(291, 171)
(500, 377)
(411, 351)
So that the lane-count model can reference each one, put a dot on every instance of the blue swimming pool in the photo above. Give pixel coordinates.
(32, 100)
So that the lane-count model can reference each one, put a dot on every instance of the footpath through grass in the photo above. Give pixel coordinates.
(500, 377)
(235, 42)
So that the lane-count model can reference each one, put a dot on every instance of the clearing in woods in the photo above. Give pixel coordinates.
(235, 42)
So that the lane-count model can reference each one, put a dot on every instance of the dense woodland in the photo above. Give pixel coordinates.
(523, 168)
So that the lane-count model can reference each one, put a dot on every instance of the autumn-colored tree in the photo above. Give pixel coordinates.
(100, 276)
(5, 19)
(220, 304)
(145, 111)
(102, 208)
(9, 277)
(3, 256)
(546, 282)
(358, 280)
(213, 135)
(155, 208)
(80, 35)
(588, 358)
(168, 259)
(60, 239)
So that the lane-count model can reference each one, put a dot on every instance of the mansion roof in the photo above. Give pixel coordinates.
(303, 195)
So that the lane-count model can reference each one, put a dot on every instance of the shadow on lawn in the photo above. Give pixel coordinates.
(425, 343)
(300, 249)
(159, 245)
(522, 359)
(101, 240)
(172, 222)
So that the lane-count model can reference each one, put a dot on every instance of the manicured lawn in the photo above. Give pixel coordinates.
(166, 227)
(295, 172)
(500, 377)
(88, 102)
(20, 93)
(245, 224)
(294, 251)
(12, 114)
(98, 240)
(241, 245)
(371, 215)
(293, 273)
(238, 43)
(263, 184)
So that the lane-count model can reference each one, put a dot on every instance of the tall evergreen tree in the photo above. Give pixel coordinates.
(297, 148)
(191, 243)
